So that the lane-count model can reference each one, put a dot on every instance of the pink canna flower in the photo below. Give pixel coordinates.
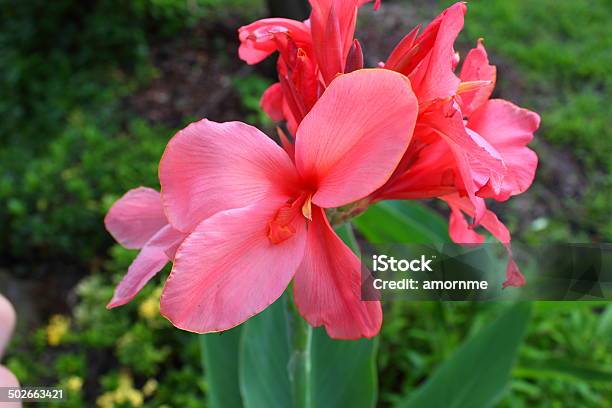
(492, 160)
(137, 221)
(466, 147)
(429, 60)
(311, 54)
(256, 217)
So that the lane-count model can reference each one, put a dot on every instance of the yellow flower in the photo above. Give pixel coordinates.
(106, 400)
(149, 308)
(135, 397)
(127, 393)
(56, 330)
(74, 383)
(150, 387)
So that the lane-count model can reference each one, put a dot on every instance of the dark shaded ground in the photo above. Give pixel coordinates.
(195, 73)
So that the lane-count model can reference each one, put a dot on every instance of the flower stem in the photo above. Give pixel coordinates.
(300, 364)
(339, 216)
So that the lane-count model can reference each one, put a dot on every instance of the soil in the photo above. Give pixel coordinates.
(194, 80)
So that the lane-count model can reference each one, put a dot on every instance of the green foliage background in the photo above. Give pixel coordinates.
(70, 144)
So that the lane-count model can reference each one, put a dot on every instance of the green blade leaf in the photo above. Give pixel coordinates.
(552, 306)
(265, 352)
(605, 324)
(220, 360)
(343, 372)
(477, 373)
(401, 221)
(346, 233)
(565, 370)
(331, 373)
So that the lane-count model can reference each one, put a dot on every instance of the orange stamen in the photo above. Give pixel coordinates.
(282, 226)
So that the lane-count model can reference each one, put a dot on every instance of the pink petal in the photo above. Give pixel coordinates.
(333, 27)
(476, 68)
(402, 55)
(376, 3)
(227, 270)
(508, 129)
(477, 161)
(8, 379)
(461, 233)
(8, 318)
(433, 78)
(489, 221)
(428, 169)
(135, 217)
(327, 287)
(514, 277)
(272, 102)
(353, 138)
(151, 259)
(354, 60)
(257, 40)
(210, 167)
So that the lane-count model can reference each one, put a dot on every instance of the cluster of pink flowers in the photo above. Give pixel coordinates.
(241, 217)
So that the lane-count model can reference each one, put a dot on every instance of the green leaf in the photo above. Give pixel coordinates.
(276, 372)
(605, 324)
(343, 372)
(401, 221)
(565, 370)
(265, 351)
(346, 233)
(477, 373)
(552, 306)
(220, 360)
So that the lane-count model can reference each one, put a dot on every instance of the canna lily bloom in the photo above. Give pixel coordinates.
(429, 60)
(137, 221)
(311, 54)
(256, 216)
(466, 147)
(488, 137)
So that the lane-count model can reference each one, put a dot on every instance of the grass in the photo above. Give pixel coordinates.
(556, 58)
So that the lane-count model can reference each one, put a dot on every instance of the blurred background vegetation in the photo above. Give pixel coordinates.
(92, 90)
